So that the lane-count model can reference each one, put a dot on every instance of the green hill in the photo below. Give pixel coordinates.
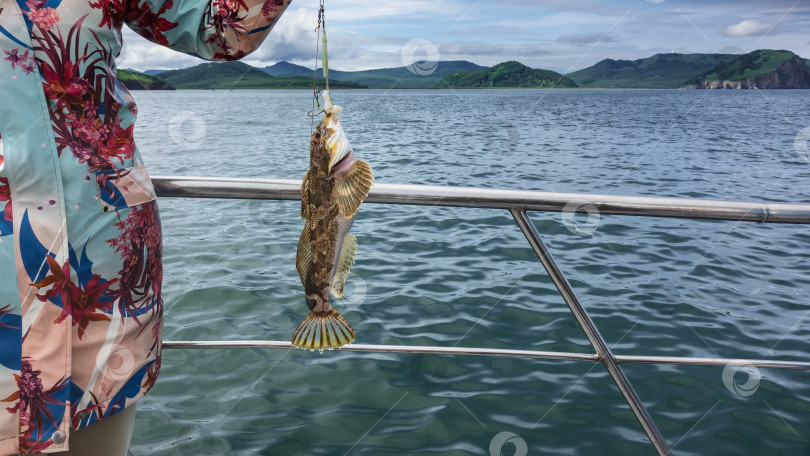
(286, 69)
(760, 69)
(748, 65)
(134, 80)
(238, 75)
(661, 71)
(506, 75)
(422, 76)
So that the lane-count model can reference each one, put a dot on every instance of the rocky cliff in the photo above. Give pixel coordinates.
(793, 73)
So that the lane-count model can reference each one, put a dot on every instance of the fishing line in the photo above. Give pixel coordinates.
(320, 29)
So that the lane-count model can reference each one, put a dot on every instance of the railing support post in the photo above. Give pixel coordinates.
(596, 339)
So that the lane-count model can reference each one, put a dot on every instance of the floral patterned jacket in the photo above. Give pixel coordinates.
(80, 236)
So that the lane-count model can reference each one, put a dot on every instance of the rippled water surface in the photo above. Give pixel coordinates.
(466, 277)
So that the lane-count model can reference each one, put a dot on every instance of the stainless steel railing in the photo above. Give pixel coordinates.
(517, 203)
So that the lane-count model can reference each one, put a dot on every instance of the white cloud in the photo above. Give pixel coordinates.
(292, 39)
(140, 54)
(375, 10)
(748, 27)
(552, 34)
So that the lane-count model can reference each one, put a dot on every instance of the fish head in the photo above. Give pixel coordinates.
(337, 144)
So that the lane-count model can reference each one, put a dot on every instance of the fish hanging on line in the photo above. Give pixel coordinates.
(332, 191)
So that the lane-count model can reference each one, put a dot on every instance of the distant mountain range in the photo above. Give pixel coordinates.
(418, 76)
(238, 75)
(661, 71)
(670, 71)
(757, 69)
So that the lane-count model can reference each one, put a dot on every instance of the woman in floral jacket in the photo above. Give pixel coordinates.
(80, 238)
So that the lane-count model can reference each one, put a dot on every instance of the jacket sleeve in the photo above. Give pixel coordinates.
(210, 29)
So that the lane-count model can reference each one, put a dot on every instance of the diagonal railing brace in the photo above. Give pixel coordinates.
(602, 350)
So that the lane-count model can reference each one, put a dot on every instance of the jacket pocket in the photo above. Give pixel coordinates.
(126, 187)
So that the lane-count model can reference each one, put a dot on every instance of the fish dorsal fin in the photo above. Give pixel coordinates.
(305, 196)
(344, 265)
(352, 187)
(303, 257)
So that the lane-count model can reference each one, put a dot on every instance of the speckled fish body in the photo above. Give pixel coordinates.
(331, 193)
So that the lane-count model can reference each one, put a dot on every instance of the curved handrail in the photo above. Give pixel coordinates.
(287, 189)
(495, 352)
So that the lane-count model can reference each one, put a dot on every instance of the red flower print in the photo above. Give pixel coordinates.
(58, 277)
(29, 67)
(33, 399)
(84, 110)
(5, 193)
(99, 142)
(226, 16)
(5, 311)
(44, 18)
(270, 7)
(152, 25)
(29, 446)
(84, 305)
(16, 59)
(112, 13)
(151, 375)
(139, 244)
(64, 87)
(93, 406)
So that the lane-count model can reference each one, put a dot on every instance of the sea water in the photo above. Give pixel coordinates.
(467, 278)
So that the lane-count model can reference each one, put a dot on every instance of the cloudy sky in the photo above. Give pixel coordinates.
(561, 35)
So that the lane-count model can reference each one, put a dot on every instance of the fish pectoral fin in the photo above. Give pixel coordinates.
(344, 266)
(323, 332)
(305, 197)
(303, 257)
(352, 187)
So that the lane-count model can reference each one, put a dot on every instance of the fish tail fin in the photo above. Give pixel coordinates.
(323, 332)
